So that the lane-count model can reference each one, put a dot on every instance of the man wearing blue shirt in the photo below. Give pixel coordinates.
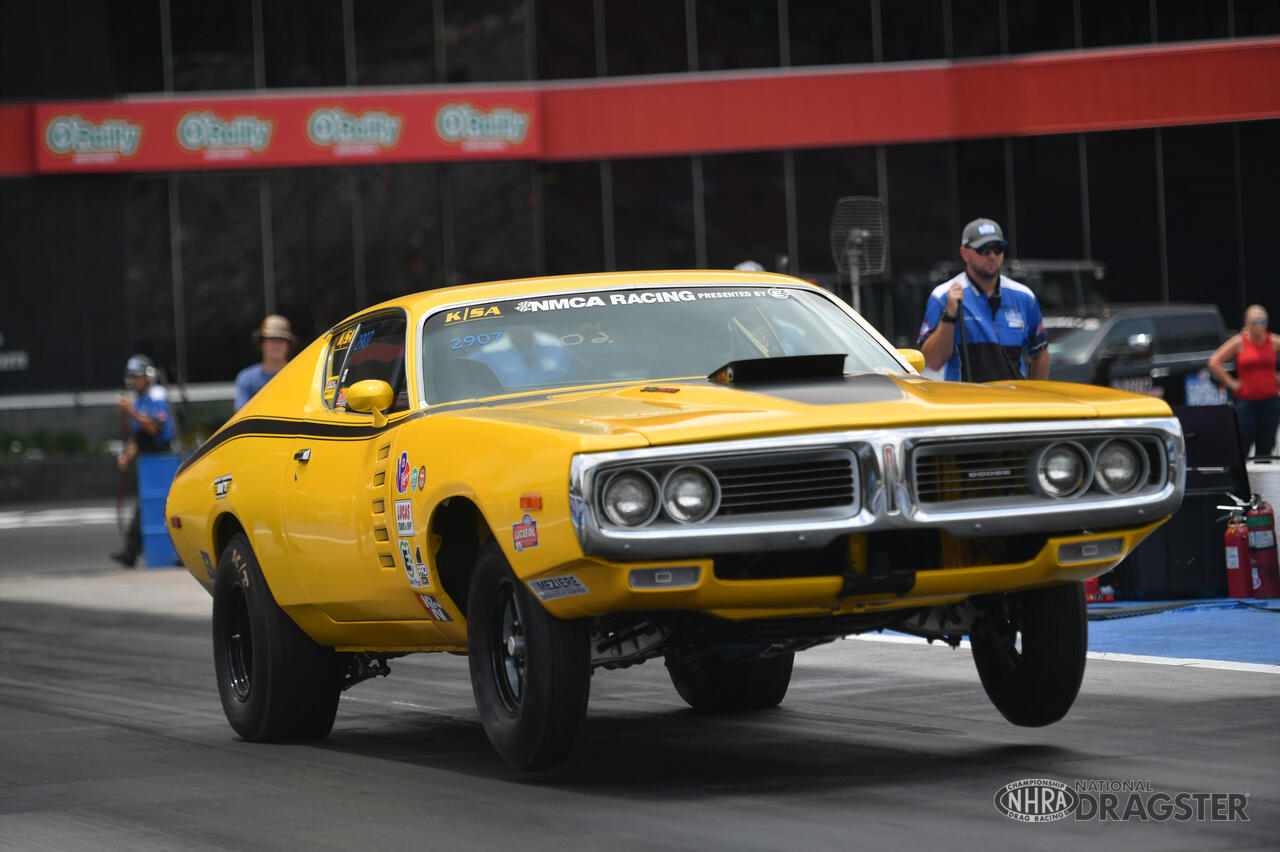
(275, 340)
(150, 431)
(979, 325)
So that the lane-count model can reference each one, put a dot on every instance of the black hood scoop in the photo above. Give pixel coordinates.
(811, 379)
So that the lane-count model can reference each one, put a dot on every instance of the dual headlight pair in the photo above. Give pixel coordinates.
(1065, 469)
(634, 497)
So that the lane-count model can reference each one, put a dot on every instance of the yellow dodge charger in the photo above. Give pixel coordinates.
(718, 469)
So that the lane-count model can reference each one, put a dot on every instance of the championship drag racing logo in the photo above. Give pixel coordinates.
(1114, 800)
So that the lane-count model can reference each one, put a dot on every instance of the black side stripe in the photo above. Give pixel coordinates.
(286, 428)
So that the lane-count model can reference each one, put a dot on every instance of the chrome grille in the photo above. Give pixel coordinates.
(803, 482)
(971, 475)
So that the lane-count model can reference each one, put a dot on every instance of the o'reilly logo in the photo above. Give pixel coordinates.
(73, 135)
(1036, 800)
(334, 127)
(206, 131)
(463, 123)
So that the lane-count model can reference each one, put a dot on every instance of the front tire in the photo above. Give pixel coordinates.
(713, 684)
(275, 683)
(530, 671)
(1029, 648)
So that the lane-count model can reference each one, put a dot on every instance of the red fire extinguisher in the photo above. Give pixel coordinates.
(1261, 522)
(1239, 566)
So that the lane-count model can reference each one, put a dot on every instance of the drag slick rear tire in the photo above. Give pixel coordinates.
(530, 671)
(1029, 648)
(276, 684)
(710, 683)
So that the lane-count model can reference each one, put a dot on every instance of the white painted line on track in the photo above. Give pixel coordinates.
(62, 517)
(1224, 665)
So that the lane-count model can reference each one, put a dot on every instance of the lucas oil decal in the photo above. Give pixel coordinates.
(525, 534)
(404, 518)
(551, 588)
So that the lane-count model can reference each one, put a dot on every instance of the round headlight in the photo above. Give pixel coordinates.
(1061, 470)
(631, 498)
(689, 495)
(1119, 467)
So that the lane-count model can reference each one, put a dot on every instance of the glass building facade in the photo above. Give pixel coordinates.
(183, 265)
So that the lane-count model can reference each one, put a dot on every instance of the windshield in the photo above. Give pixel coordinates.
(607, 336)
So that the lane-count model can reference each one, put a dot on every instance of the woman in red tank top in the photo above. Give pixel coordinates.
(1255, 392)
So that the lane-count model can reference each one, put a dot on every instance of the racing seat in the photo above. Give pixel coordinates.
(466, 379)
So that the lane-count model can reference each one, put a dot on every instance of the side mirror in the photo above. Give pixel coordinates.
(371, 395)
(914, 357)
(1139, 345)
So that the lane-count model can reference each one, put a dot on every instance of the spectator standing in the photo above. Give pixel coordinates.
(1254, 390)
(980, 324)
(274, 338)
(150, 431)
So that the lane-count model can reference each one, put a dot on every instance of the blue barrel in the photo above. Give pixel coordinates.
(155, 475)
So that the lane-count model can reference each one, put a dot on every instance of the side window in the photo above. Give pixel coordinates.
(1178, 333)
(1120, 335)
(370, 348)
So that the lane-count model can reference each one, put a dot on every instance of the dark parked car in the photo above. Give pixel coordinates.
(1157, 349)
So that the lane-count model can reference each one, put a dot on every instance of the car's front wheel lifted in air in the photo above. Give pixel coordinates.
(710, 683)
(530, 671)
(276, 684)
(1029, 648)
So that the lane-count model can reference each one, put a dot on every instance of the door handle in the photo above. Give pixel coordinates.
(302, 455)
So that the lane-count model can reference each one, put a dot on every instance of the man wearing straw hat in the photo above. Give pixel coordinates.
(275, 339)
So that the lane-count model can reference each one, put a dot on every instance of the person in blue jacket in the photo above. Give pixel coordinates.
(150, 431)
(981, 326)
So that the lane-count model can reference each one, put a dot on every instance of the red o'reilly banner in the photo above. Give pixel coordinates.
(316, 129)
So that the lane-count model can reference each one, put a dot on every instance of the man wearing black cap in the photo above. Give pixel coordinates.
(979, 324)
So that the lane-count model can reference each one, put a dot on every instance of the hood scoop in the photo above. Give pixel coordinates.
(757, 371)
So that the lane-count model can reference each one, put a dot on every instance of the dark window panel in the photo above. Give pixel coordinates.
(147, 280)
(981, 185)
(975, 27)
(913, 29)
(1122, 213)
(645, 37)
(823, 176)
(1256, 17)
(1047, 183)
(572, 223)
(566, 39)
(824, 33)
(653, 213)
(303, 44)
(221, 271)
(394, 43)
(402, 249)
(212, 43)
(1042, 25)
(1186, 20)
(746, 209)
(491, 205)
(737, 34)
(312, 237)
(56, 50)
(1200, 200)
(1109, 22)
(924, 238)
(136, 56)
(484, 41)
(1259, 142)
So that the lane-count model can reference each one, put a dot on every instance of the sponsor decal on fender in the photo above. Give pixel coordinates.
(474, 129)
(402, 473)
(434, 609)
(404, 518)
(424, 576)
(525, 533)
(220, 138)
(221, 486)
(406, 559)
(550, 588)
(85, 141)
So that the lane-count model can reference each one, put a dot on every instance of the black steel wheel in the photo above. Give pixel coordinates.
(530, 671)
(1029, 648)
(718, 684)
(276, 684)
